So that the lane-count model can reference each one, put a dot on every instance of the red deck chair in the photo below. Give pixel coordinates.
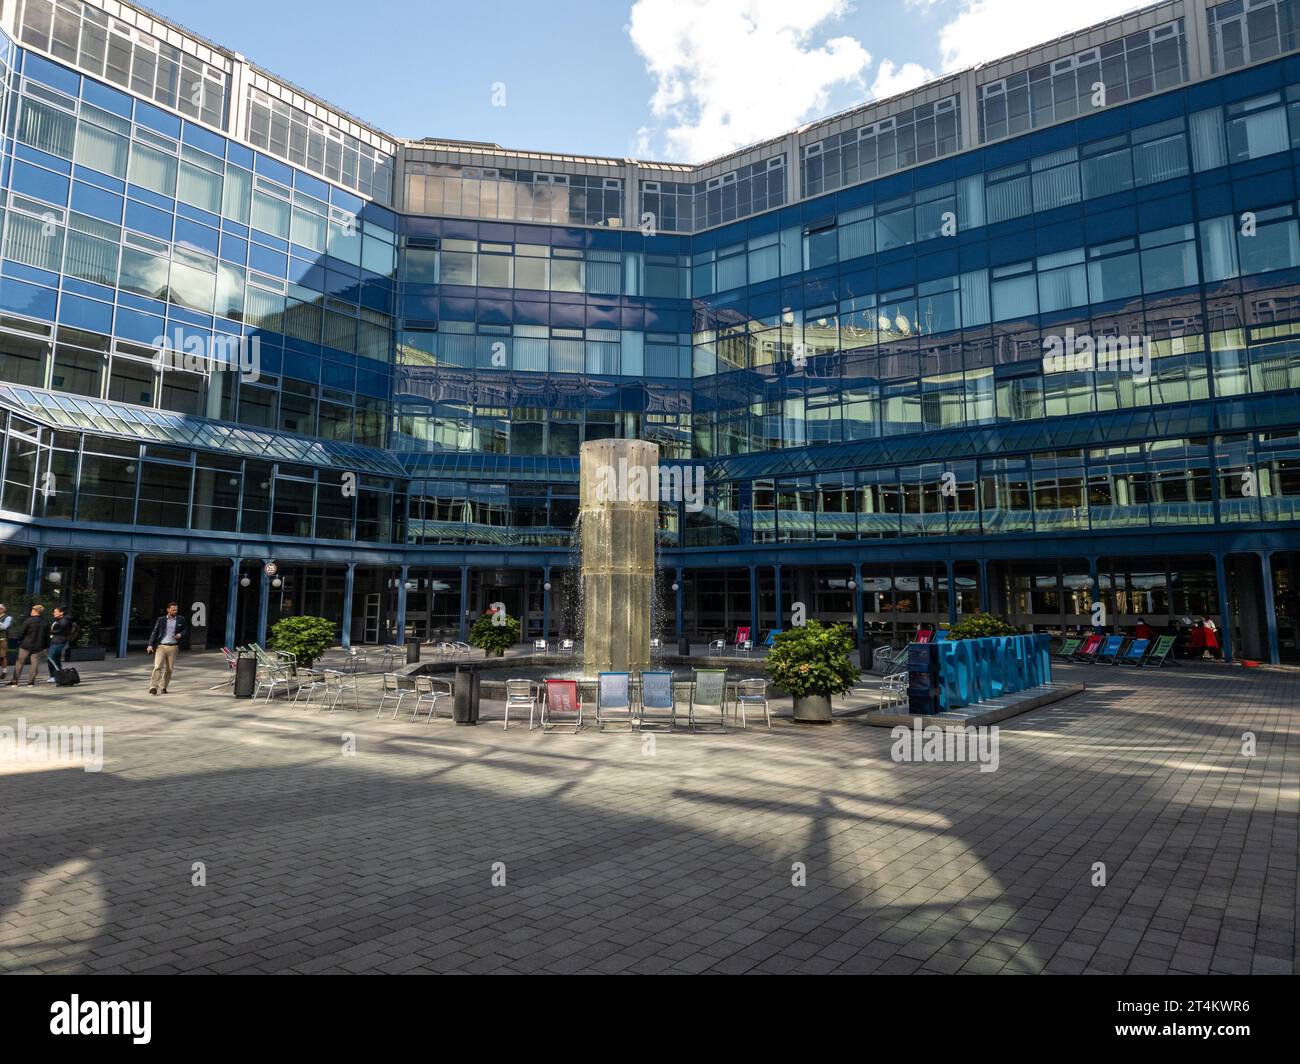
(562, 707)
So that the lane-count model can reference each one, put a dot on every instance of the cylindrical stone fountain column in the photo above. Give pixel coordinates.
(619, 493)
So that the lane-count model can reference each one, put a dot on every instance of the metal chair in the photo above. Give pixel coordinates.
(540, 646)
(614, 699)
(520, 694)
(315, 681)
(893, 688)
(752, 694)
(718, 646)
(391, 690)
(656, 698)
(568, 646)
(271, 675)
(709, 691)
(337, 685)
(562, 698)
(354, 660)
(428, 690)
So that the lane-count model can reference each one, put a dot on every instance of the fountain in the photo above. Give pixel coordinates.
(618, 515)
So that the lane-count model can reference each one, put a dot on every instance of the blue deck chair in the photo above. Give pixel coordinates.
(658, 706)
(770, 641)
(614, 699)
(1134, 653)
(1110, 650)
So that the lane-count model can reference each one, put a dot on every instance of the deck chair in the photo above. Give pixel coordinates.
(232, 660)
(562, 707)
(709, 691)
(743, 642)
(770, 641)
(1161, 653)
(1088, 652)
(1133, 653)
(658, 706)
(614, 700)
(1069, 648)
(941, 636)
(1110, 650)
(924, 635)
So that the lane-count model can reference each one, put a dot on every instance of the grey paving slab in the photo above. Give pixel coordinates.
(430, 847)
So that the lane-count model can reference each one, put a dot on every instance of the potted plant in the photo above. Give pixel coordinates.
(83, 603)
(494, 634)
(812, 663)
(306, 638)
(979, 626)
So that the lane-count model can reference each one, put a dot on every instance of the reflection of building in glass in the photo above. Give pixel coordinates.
(843, 325)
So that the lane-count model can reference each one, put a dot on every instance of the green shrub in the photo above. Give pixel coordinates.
(306, 638)
(979, 625)
(495, 635)
(813, 660)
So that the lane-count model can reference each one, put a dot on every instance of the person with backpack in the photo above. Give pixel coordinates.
(63, 630)
(36, 637)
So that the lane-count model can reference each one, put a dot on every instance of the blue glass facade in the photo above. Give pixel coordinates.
(860, 372)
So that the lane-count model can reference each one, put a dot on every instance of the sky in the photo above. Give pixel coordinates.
(664, 80)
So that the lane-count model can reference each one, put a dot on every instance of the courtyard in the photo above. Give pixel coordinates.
(224, 835)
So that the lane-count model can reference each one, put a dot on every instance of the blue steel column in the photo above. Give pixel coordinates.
(546, 603)
(753, 601)
(124, 614)
(681, 604)
(263, 604)
(1270, 609)
(1096, 589)
(1225, 615)
(35, 566)
(232, 603)
(464, 601)
(952, 592)
(859, 613)
(349, 579)
(780, 606)
(984, 585)
(400, 638)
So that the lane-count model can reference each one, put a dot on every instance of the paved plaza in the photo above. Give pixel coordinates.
(437, 848)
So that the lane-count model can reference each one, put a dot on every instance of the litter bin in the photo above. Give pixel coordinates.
(245, 676)
(684, 647)
(412, 651)
(465, 710)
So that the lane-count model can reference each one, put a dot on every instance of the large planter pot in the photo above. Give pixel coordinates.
(812, 709)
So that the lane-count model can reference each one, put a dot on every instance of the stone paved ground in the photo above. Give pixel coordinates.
(619, 860)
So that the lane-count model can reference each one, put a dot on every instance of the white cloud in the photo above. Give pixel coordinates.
(891, 80)
(991, 29)
(731, 72)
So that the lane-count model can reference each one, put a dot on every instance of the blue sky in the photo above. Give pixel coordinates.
(681, 80)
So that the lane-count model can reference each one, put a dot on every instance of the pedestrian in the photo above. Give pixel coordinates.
(1212, 649)
(6, 622)
(63, 630)
(1143, 630)
(164, 642)
(36, 637)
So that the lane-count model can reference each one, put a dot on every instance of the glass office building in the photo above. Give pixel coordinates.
(379, 357)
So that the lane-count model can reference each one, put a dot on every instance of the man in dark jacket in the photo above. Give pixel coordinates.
(63, 630)
(36, 638)
(164, 642)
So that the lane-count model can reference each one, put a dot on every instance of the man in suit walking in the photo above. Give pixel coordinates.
(164, 642)
(32, 646)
